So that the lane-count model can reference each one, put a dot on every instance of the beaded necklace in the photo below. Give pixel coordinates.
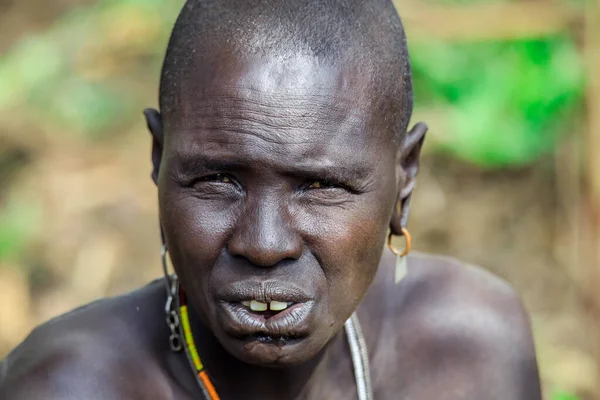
(179, 323)
(189, 345)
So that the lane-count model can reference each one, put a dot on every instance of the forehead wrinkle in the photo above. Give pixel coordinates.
(345, 164)
(239, 92)
(275, 123)
(331, 151)
(272, 102)
(264, 85)
(236, 143)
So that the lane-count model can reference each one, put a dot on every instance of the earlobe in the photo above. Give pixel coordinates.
(154, 123)
(397, 221)
(400, 216)
(408, 166)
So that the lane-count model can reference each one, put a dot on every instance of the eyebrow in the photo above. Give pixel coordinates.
(198, 164)
(334, 173)
(204, 163)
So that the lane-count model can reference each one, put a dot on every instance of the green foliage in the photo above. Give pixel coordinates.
(563, 396)
(506, 101)
(18, 223)
(77, 76)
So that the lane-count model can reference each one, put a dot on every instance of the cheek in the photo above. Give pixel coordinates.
(348, 243)
(195, 232)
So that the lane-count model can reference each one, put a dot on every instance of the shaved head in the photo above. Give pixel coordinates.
(367, 36)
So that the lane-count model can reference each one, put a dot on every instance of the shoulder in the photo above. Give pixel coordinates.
(438, 283)
(461, 324)
(443, 290)
(97, 349)
(454, 301)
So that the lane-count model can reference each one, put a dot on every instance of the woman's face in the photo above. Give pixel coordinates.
(277, 184)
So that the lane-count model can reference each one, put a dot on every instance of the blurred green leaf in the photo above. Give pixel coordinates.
(72, 75)
(507, 101)
(35, 62)
(563, 396)
(18, 223)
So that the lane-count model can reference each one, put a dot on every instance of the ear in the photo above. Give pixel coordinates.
(407, 168)
(153, 120)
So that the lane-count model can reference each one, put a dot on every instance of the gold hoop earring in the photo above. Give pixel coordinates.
(400, 268)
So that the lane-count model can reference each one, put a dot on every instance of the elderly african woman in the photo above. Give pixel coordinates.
(283, 157)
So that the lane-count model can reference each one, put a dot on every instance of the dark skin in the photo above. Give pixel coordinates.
(284, 173)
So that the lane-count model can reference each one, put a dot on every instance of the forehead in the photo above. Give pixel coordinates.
(293, 105)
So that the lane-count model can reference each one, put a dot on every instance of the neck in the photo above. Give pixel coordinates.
(235, 379)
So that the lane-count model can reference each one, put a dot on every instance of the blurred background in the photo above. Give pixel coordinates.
(510, 179)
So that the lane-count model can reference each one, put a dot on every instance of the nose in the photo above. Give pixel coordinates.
(265, 236)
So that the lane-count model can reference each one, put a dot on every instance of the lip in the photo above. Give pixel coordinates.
(293, 323)
(263, 291)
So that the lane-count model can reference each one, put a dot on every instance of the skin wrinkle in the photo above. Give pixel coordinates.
(274, 136)
(266, 122)
(203, 90)
(359, 180)
(267, 116)
(228, 139)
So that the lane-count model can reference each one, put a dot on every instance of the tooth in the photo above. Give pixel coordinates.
(278, 306)
(258, 306)
(246, 303)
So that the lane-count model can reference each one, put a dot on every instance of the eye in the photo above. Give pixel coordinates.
(325, 184)
(321, 184)
(325, 192)
(218, 182)
(221, 178)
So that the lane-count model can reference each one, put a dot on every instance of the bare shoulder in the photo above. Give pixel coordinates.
(460, 330)
(438, 281)
(453, 299)
(96, 351)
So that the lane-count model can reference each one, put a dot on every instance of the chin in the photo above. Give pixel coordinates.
(274, 352)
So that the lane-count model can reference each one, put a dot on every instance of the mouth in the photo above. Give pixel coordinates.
(267, 309)
(276, 322)
(266, 312)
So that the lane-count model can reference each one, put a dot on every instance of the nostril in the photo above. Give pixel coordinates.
(265, 236)
(264, 253)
